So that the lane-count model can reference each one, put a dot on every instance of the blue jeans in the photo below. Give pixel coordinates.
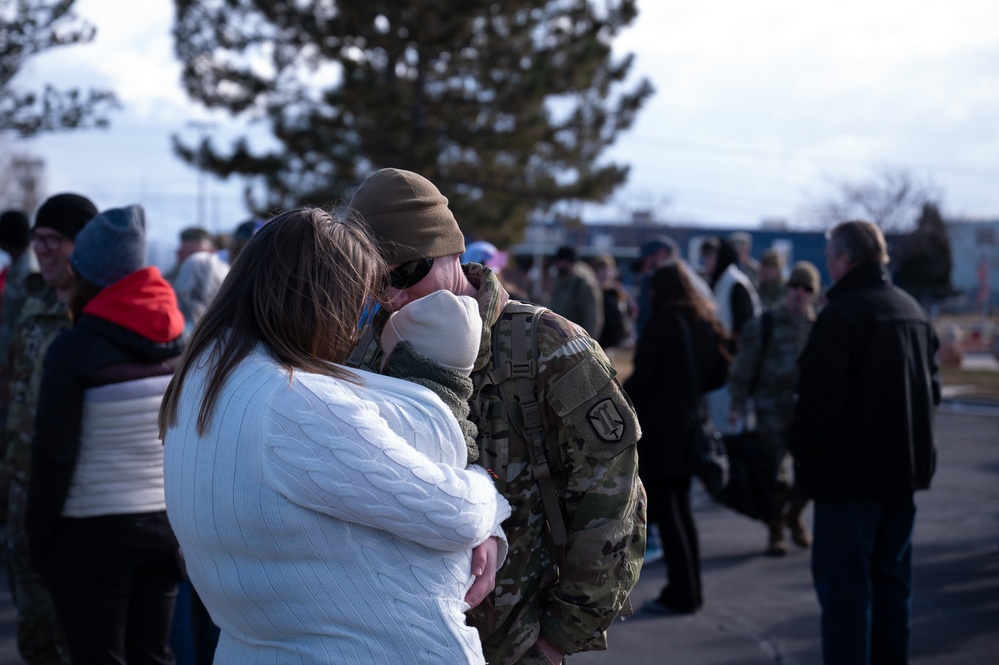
(862, 568)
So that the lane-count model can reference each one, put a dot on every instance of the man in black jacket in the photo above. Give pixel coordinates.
(862, 438)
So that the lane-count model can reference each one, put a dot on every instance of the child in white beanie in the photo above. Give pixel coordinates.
(434, 342)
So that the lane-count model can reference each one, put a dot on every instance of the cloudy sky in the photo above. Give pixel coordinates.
(759, 107)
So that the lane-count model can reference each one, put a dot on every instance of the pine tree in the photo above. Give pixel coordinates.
(27, 28)
(506, 107)
(925, 264)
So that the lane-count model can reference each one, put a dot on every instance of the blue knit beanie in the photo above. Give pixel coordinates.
(111, 245)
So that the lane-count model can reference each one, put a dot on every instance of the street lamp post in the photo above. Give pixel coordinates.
(203, 127)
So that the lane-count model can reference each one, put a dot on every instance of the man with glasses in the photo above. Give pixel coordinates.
(763, 374)
(43, 317)
(863, 443)
(548, 601)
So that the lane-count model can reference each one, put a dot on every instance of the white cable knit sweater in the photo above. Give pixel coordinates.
(325, 522)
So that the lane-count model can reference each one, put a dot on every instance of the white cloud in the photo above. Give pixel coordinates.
(756, 104)
(771, 96)
(132, 54)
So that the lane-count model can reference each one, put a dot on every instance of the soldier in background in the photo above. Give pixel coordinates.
(771, 286)
(549, 602)
(15, 241)
(576, 294)
(743, 244)
(40, 639)
(773, 395)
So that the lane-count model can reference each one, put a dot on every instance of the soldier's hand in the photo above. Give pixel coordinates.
(554, 655)
(484, 559)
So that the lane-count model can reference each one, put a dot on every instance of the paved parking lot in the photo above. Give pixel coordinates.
(760, 609)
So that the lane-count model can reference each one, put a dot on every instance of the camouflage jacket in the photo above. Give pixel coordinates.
(771, 293)
(572, 600)
(578, 297)
(16, 290)
(42, 319)
(773, 399)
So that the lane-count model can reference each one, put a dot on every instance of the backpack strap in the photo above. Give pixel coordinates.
(766, 332)
(518, 374)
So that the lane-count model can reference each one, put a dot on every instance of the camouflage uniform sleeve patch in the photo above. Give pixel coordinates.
(593, 403)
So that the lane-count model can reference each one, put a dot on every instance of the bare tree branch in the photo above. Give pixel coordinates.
(893, 199)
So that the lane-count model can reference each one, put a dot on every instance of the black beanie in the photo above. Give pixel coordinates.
(65, 213)
(14, 230)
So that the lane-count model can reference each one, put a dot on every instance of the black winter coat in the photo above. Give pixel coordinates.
(660, 389)
(867, 388)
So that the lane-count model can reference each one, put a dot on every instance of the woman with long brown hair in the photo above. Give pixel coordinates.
(681, 354)
(325, 514)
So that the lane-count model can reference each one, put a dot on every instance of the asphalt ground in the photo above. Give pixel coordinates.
(760, 609)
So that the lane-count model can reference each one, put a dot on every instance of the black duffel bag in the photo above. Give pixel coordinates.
(752, 470)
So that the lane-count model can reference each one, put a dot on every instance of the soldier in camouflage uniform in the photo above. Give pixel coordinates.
(40, 639)
(548, 602)
(15, 242)
(773, 396)
(772, 288)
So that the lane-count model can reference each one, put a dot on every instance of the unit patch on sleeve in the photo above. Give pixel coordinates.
(606, 420)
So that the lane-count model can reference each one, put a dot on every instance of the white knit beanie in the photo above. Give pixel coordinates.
(441, 326)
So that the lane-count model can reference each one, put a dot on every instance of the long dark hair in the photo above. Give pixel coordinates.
(673, 291)
(726, 254)
(80, 293)
(299, 286)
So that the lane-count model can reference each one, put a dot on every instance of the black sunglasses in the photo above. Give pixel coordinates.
(797, 285)
(409, 273)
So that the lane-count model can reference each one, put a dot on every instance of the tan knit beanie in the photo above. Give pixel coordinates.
(441, 326)
(408, 215)
(805, 272)
(773, 258)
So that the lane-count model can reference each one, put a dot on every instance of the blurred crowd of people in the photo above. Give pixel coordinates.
(738, 344)
(92, 338)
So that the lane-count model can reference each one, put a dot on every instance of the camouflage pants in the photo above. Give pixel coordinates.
(40, 639)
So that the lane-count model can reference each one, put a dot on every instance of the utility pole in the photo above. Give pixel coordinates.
(203, 127)
(27, 172)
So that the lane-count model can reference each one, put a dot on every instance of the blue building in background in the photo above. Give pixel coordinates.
(622, 241)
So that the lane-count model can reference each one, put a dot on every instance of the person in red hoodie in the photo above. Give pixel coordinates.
(96, 516)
